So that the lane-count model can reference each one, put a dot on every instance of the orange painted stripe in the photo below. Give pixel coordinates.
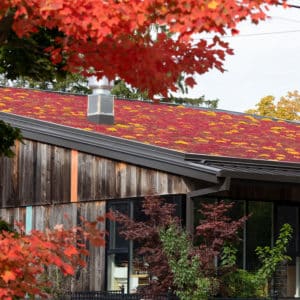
(74, 176)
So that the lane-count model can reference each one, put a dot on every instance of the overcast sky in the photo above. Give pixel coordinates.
(266, 62)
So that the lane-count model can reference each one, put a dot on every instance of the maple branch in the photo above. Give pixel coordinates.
(289, 5)
(6, 27)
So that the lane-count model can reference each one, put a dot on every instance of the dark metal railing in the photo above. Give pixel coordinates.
(121, 295)
(118, 295)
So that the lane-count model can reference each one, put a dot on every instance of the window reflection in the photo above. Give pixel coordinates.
(256, 232)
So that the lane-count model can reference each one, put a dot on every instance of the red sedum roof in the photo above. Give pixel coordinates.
(174, 127)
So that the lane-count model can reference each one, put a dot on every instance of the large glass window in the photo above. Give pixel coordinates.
(288, 277)
(117, 251)
(256, 232)
(124, 266)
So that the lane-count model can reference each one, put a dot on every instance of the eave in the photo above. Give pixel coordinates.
(111, 147)
(212, 169)
(249, 169)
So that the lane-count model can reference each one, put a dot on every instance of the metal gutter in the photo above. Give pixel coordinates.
(223, 186)
(111, 147)
(230, 160)
(249, 169)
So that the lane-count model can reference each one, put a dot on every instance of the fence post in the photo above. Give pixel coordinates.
(123, 291)
(169, 294)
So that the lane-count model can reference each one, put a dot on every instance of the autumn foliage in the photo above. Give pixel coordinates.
(286, 108)
(159, 214)
(216, 229)
(24, 258)
(158, 38)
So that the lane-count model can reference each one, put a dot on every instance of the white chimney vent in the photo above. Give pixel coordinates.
(101, 102)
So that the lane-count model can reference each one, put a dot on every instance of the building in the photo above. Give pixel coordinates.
(71, 165)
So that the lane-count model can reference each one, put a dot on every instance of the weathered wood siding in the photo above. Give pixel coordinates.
(38, 174)
(47, 216)
(101, 178)
(42, 174)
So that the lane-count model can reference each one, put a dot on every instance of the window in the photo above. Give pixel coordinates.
(289, 282)
(260, 217)
(118, 251)
(124, 266)
(259, 228)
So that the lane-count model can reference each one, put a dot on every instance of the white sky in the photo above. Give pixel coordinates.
(265, 63)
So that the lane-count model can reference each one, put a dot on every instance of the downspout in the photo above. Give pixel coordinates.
(223, 186)
(220, 187)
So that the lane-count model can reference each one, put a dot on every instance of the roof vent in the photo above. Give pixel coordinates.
(101, 102)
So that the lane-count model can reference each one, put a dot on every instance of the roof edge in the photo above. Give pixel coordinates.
(240, 168)
(111, 147)
(243, 161)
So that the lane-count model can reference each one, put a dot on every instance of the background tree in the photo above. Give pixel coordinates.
(25, 57)
(122, 90)
(198, 102)
(287, 108)
(8, 136)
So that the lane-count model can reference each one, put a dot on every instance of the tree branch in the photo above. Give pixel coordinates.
(6, 27)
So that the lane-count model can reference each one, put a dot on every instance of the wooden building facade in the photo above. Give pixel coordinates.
(44, 183)
(61, 170)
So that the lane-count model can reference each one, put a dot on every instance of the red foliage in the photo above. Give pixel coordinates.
(24, 258)
(215, 230)
(112, 36)
(146, 233)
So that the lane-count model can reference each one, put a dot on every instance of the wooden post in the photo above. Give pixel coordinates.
(189, 215)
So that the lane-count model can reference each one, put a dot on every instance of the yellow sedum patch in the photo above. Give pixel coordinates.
(181, 142)
(112, 129)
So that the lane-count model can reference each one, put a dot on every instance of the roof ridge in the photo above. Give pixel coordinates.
(177, 127)
(149, 101)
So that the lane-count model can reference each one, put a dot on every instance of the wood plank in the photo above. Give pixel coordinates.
(43, 174)
(131, 181)
(84, 176)
(60, 175)
(74, 176)
(6, 183)
(26, 170)
(120, 181)
(99, 182)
